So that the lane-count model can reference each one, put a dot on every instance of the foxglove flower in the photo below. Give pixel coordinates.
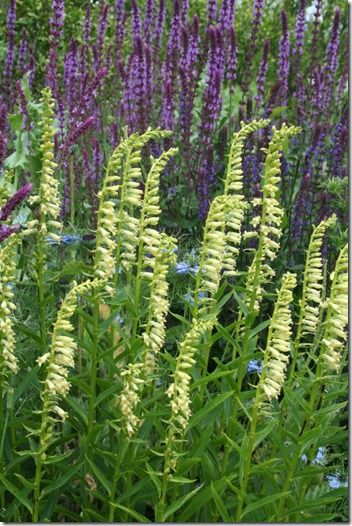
(8, 360)
(334, 336)
(277, 352)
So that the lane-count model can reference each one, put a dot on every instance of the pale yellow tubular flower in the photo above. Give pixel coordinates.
(62, 351)
(277, 352)
(104, 264)
(261, 271)
(234, 172)
(234, 215)
(131, 199)
(335, 335)
(179, 390)
(313, 280)
(154, 334)
(212, 254)
(129, 398)
(49, 197)
(8, 360)
(149, 238)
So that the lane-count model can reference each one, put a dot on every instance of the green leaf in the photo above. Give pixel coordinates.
(16, 492)
(61, 481)
(264, 502)
(220, 504)
(180, 502)
(100, 476)
(200, 415)
(133, 513)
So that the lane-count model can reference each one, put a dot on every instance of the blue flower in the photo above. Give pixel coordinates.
(51, 241)
(335, 481)
(255, 366)
(184, 268)
(320, 456)
(71, 238)
(189, 297)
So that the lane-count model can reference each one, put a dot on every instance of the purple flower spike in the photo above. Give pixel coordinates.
(11, 22)
(15, 201)
(136, 21)
(300, 30)
(22, 59)
(226, 15)
(232, 59)
(284, 58)
(7, 231)
(81, 129)
(211, 11)
(263, 68)
(56, 24)
(148, 22)
(98, 48)
(331, 59)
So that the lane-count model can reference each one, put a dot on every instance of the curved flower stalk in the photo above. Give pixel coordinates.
(49, 204)
(234, 187)
(208, 275)
(131, 198)
(178, 391)
(60, 359)
(234, 172)
(149, 242)
(104, 264)
(335, 335)
(129, 397)
(272, 377)
(8, 360)
(311, 301)
(154, 334)
(260, 271)
(276, 354)
(48, 198)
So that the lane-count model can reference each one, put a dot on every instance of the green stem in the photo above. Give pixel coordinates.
(41, 296)
(160, 508)
(247, 462)
(93, 373)
(121, 453)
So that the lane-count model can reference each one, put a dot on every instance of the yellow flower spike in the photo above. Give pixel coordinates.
(234, 174)
(154, 334)
(8, 360)
(335, 336)
(49, 197)
(260, 271)
(313, 281)
(276, 354)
